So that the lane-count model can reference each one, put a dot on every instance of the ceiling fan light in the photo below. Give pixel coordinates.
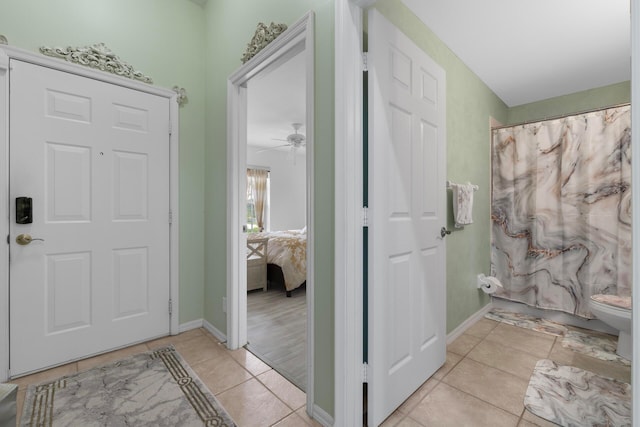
(296, 138)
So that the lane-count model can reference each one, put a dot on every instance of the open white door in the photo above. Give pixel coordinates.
(407, 207)
(94, 158)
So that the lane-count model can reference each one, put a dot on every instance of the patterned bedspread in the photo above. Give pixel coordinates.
(288, 250)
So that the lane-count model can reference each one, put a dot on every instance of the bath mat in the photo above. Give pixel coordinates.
(154, 388)
(600, 347)
(526, 321)
(570, 396)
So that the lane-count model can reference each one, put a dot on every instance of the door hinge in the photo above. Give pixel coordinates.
(170, 128)
(365, 61)
(170, 217)
(365, 369)
(170, 307)
(8, 239)
(365, 216)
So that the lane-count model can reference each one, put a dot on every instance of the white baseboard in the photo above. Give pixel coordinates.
(321, 416)
(221, 336)
(201, 323)
(194, 324)
(468, 323)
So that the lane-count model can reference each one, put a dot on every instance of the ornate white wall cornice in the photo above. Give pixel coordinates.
(97, 56)
(182, 95)
(262, 37)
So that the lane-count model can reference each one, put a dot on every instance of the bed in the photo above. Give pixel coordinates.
(287, 252)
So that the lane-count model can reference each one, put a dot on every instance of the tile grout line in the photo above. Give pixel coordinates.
(254, 376)
(482, 400)
(265, 385)
(273, 392)
(438, 382)
(469, 394)
(448, 372)
(492, 367)
(521, 415)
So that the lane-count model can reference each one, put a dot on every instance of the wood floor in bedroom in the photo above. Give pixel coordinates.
(277, 331)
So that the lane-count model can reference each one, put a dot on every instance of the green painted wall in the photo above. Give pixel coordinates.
(182, 43)
(592, 99)
(165, 40)
(470, 104)
(179, 42)
(230, 26)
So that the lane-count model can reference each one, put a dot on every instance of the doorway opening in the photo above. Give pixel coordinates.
(276, 218)
(270, 198)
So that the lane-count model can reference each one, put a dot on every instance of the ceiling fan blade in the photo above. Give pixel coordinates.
(279, 139)
(272, 148)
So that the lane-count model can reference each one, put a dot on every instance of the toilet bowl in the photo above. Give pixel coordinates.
(616, 312)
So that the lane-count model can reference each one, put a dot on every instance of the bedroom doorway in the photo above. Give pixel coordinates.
(276, 218)
(270, 198)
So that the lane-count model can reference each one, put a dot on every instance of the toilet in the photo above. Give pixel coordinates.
(615, 311)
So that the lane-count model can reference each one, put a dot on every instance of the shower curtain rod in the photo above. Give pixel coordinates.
(561, 116)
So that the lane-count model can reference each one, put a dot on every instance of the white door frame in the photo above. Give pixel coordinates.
(9, 52)
(299, 37)
(348, 212)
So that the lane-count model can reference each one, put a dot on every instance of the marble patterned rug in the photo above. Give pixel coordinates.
(526, 321)
(571, 397)
(156, 388)
(601, 347)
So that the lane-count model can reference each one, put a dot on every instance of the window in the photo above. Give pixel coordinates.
(257, 199)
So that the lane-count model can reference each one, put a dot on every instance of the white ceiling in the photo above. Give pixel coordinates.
(276, 99)
(526, 51)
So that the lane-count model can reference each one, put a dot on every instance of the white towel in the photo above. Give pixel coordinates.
(462, 204)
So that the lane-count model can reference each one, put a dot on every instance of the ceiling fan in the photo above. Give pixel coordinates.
(295, 140)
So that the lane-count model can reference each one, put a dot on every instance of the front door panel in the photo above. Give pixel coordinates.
(94, 158)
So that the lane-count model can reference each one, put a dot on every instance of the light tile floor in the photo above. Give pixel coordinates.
(482, 383)
(486, 375)
(252, 393)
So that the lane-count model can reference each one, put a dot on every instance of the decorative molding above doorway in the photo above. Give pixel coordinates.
(262, 37)
(97, 56)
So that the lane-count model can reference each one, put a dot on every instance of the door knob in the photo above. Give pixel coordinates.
(25, 239)
(444, 232)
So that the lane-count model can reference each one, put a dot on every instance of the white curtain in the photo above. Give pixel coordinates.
(561, 210)
(257, 180)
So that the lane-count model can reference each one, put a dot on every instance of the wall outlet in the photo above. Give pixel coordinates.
(224, 304)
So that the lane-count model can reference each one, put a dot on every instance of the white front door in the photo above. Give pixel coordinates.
(407, 208)
(94, 158)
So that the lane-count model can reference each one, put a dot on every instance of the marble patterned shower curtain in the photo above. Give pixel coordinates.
(561, 210)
